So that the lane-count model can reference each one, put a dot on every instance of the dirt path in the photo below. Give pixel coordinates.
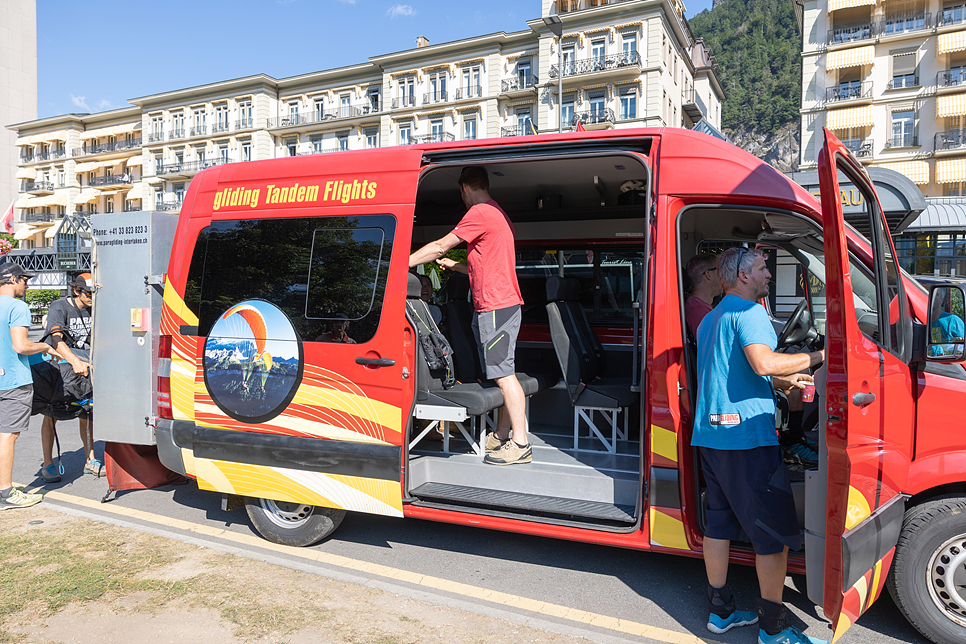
(68, 579)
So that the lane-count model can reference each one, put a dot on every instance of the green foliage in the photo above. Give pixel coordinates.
(41, 298)
(758, 49)
(9, 238)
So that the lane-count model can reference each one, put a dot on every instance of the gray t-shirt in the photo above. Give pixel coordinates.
(64, 315)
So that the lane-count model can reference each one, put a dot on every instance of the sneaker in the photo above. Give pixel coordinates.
(718, 624)
(20, 499)
(803, 454)
(493, 443)
(510, 454)
(790, 635)
(50, 474)
(94, 467)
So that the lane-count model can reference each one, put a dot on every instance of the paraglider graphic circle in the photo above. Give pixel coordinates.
(253, 361)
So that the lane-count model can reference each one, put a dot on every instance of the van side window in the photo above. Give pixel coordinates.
(315, 269)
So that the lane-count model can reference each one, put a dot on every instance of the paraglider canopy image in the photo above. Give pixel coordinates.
(253, 361)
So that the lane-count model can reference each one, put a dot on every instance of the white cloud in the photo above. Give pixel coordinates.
(104, 104)
(80, 101)
(401, 10)
(347, 1)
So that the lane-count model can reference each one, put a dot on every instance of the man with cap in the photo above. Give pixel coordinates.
(16, 383)
(69, 321)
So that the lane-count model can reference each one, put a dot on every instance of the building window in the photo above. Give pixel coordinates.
(373, 100)
(597, 100)
(904, 70)
(200, 157)
(291, 146)
(629, 103)
(343, 142)
(933, 253)
(90, 178)
(316, 144)
(293, 114)
(157, 129)
(469, 129)
(159, 198)
(319, 107)
(223, 153)
(244, 114)
(405, 131)
(179, 192)
(437, 87)
(199, 123)
(569, 61)
(61, 178)
(524, 123)
(903, 128)
(346, 110)
(221, 118)
(246, 151)
(523, 74)
(177, 124)
(109, 205)
(597, 52)
(567, 110)
(471, 82)
(407, 92)
(372, 139)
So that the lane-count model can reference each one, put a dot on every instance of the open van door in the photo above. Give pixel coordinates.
(868, 408)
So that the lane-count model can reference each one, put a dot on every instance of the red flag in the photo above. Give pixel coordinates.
(7, 220)
(580, 127)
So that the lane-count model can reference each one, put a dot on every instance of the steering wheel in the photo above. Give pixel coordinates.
(798, 328)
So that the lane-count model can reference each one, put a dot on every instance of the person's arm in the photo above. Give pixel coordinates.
(453, 265)
(57, 319)
(434, 250)
(794, 381)
(766, 362)
(26, 347)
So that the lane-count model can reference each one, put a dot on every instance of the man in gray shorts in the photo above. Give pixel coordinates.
(491, 265)
(16, 383)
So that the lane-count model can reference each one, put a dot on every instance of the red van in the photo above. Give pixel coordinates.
(292, 376)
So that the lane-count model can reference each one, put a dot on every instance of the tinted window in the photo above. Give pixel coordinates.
(317, 271)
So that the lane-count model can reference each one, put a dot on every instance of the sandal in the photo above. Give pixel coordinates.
(94, 466)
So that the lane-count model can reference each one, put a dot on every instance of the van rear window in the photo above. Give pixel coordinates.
(321, 272)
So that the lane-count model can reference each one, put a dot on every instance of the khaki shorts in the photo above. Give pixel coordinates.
(15, 407)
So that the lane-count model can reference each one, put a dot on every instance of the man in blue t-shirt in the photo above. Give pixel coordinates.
(748, 491)
(16, 382)
(947, 329)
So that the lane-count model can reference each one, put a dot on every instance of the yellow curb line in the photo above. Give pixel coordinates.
(417, 579)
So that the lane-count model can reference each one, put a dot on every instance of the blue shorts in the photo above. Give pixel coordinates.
(749, 498)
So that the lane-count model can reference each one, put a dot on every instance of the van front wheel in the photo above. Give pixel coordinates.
(928, 576)
(292, 524)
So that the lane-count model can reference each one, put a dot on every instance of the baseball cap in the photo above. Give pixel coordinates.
(11, 269)
(85, 282)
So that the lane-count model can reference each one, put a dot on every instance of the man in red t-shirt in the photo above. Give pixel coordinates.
(491, 265)
(702, 270)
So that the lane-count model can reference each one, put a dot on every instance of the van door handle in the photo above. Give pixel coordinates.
(862, 399)
(376, 362)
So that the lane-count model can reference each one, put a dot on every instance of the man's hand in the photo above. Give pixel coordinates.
(80, 367)
(448, 264)
(794, 381)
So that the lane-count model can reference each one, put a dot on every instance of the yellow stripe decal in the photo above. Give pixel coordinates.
(667, 531)
(664, 442)
(174, 302)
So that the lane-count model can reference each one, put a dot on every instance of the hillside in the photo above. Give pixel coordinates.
(758, 48)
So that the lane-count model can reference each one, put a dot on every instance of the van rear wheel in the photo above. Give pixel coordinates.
(292, 524)
(928, 576)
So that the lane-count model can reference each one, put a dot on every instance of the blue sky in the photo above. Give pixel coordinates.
(94, 56)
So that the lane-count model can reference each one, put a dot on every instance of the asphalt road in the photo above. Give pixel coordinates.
(456, 565)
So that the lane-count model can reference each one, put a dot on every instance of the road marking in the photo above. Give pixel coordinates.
(417, 579)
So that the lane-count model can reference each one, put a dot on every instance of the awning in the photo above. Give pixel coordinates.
(26, 173)
(951, 104)
(835, 5)
(939, 217)
(861, 116)
(87, 166)
(138, 190)
(86, 196)
(127, 127)
(59, 135)
(135, 160)
(950, 42)
(62, 198)
(26, 233)
(916, 171)
(97, 133)
(108, 164)
(52, 231)
(950, 170)
(22, 202)
(39, 202)
(853, 57)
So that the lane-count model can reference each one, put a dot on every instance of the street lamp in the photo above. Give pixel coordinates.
(555, 25)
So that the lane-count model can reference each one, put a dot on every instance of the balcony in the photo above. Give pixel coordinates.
(469, 92)
(955, 15)
(907, 81)
(155, 137)
(323, 116)
(201, 130)
(861, 148)
(171, 206)
(111, 181)
(438, 137)
(569, 6)
(37, 217)
(600, 119)
(403, 102)
(219, 128)
(185, 169)
(853, 91)
(174, 135)
(627, 61)
(955, 77)
(855, 33)
(49, 156)
(519, 83)
(100, 148)
(39, 187)
(897, 26)
(516, 130)
(431, 98)
(689, 105)
(951, 140)
(244, 124)
(901, 141)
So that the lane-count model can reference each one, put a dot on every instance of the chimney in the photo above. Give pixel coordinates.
(422, 41)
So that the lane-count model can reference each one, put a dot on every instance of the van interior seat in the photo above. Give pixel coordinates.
(580, 355)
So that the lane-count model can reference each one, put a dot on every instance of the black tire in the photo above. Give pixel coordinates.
(928, 576)
(292, 524)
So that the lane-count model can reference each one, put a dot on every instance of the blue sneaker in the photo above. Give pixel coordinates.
(717, 624)
(790, 635)
(50, 474)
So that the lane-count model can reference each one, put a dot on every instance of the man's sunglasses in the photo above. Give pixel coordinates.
(741, 256)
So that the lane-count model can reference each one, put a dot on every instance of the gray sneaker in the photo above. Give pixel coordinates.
(50, 474)
(510, 454)
(20, 499)
(493, 443)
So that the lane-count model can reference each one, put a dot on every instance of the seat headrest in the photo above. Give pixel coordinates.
(414, 289)
(562, 290)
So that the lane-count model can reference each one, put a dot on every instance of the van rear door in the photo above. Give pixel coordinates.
(869, 404)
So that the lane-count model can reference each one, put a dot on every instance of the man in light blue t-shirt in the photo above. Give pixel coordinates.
(748, 491)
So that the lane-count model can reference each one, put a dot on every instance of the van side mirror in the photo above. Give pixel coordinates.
(946, 329)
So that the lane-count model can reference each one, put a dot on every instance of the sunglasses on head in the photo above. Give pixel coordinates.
(741, 256)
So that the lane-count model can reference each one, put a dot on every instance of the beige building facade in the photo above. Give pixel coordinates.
(632, 63)
(18, 86)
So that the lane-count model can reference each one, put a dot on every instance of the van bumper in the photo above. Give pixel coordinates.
(168, 451)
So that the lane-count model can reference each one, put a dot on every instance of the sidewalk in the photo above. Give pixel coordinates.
(71, 579)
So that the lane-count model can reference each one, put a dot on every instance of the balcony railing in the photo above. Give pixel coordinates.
(132, 208)
(862, 148)
(851, 34)
(218, 128)
(36, 217)
(98, 148)
(112, 180)
(849, 92)
(517, 130)
(951, 77)
(154, 137)
(168, 206)
(518, 82)
(174, 135)
(903, 82)
(598, 64)
(902, 141)
(954, 15)
(474, 91)
(39, 186)
(950, 139)
(244, 124)
(430, 98)
(438, 137)
(320, 116)
(905, 24)
(594, 117)
(48, 156)
(201, 130)
(403, 101)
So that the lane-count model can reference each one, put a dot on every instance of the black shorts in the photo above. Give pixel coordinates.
(750, 497)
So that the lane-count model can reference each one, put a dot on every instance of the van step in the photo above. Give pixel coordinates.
(527, 502)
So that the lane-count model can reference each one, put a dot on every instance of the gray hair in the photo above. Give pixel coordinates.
(728, 267)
